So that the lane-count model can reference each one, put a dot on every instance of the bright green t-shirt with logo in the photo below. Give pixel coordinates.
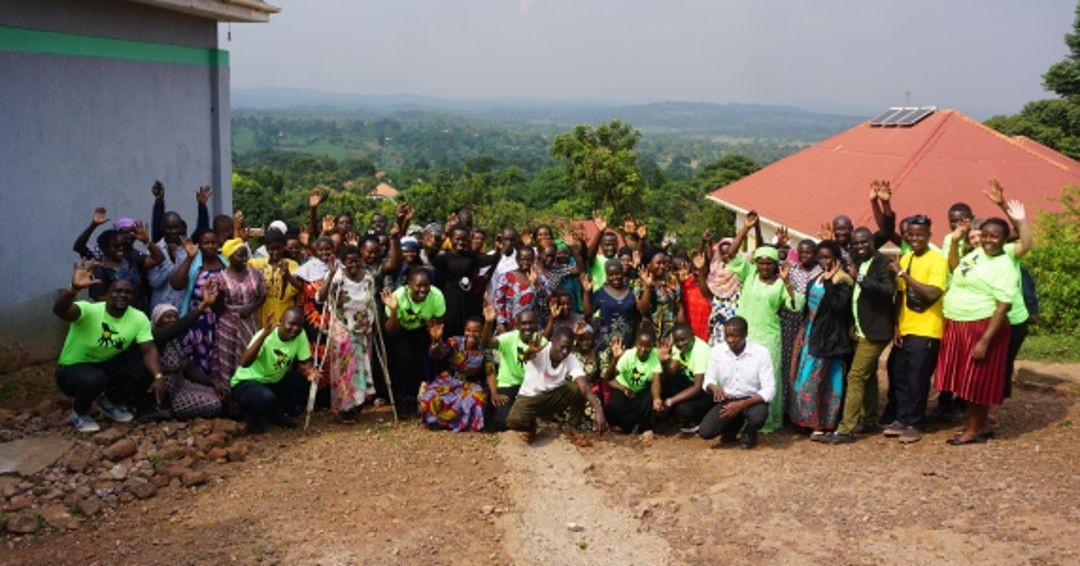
(978, 283)
(512, 350)
(96, 336)
(274, 359)
(1018, 311)
(695, 361)
(597, 271)
(413, 315)
(635, 374)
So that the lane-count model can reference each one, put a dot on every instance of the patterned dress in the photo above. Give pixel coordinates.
(455, 400)
(817, 383)
(187, 399)
(233, 332)
(791, 321)
(316, 319)
(351, 305)
(665, 305)
(513, 294)
(199, 340)
(615, 317)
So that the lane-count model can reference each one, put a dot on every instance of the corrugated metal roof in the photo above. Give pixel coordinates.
(944, 159)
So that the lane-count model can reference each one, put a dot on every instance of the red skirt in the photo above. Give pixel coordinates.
(976, 381)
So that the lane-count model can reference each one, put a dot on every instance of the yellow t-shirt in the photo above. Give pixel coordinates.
(280, 295)
(931, 268)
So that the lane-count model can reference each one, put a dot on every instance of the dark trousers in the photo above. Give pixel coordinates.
(526, 410)
(714, 425)
(499, 415)
(692, 410)
(911, 366)
(123, 380)
(1017, 336)
(630, 414)
(409, 351)
(258, 400)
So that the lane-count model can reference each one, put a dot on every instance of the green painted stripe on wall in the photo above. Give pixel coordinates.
(25, 40)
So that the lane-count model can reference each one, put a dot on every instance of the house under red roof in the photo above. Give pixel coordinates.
(384, 190)
(943, 159)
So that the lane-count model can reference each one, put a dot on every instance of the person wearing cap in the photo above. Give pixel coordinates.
(410, 258)
(765, 290)
(275, 226)
(243, 292)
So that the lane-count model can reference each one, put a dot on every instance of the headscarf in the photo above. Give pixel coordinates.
(767, 252)
(279, 225)
(232, 246)
(722, 282)
(123, 223)
(159, 311)
(410, 243)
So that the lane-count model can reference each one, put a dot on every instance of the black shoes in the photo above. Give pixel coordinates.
(839, 438)
(748, 440)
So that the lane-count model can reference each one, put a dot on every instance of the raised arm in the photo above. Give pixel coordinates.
(82, 278)
(252, 353)
(594, 242)
(314, 199)
(156, 255)
(740, 236)
(157, 212)
(202, 218)
(80, 247)
(179, 279)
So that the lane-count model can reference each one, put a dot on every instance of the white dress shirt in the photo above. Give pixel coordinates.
(748, 374)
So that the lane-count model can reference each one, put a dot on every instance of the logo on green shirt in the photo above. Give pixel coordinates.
(636, 377)
(107, 340)
(281, 359)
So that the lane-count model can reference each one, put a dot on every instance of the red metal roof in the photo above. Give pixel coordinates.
(943, 159)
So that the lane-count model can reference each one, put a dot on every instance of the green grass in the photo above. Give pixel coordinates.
(1062, 348)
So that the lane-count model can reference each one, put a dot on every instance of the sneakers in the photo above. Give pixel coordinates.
(909, 434)
(118, 413)
(84, 423)
(893, 429)
(839, 438)
(748, 440)
(689, 429)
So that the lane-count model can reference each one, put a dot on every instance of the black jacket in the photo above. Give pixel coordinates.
(831, 333)
(877, 306)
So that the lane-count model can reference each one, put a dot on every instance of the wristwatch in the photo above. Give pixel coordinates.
(667, 402)
(159, 376)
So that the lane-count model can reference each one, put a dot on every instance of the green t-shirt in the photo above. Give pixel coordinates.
(635, 374)
(978, 283)
(96, 336)
(512, 358)
(1018, 311)
(413, 315)
(274, 359)
(597, 271)
(694, 362)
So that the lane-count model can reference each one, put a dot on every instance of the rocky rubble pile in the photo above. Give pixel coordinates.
(120, 464)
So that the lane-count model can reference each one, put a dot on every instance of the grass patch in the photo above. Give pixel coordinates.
(1051, 348)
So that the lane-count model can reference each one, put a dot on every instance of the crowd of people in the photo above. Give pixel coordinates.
(728, 337)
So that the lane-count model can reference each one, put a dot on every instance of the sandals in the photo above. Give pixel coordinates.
(958, 441)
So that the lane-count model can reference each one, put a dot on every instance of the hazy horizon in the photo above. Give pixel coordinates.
(837, 56)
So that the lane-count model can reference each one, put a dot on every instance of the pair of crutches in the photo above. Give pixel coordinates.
(378, 342)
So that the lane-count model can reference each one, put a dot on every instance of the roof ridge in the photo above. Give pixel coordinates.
(1012, 140)
(917, 156)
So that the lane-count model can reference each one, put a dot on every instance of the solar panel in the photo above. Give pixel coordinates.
(902, 116)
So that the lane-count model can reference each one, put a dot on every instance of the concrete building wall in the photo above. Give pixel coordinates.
(87, 121)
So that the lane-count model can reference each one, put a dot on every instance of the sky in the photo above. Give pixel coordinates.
(982, 57)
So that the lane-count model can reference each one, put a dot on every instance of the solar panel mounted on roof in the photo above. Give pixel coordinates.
(884, 117)
(899, 119)
(917, 116)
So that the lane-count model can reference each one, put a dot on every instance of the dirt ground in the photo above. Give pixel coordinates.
(379, 493)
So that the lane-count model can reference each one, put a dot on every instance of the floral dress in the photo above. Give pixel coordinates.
(187, 399)
(455, 400)
(199, 340)
(791, 321)
(817, 387)
(513, 294)
(233, 332)
(351, 305)
(316, 319)
(665, 305)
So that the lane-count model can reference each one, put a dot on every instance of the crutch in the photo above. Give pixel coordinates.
(318, 362)
(380, 354)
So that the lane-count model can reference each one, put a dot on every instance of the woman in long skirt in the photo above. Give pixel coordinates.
(350, 299)
(455, 399)
(243, 293)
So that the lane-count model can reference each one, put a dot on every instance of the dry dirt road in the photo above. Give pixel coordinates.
(378, 493)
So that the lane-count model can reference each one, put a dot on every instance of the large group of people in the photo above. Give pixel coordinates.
(731, 338)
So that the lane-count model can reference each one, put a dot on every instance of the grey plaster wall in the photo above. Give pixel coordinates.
(78, 132)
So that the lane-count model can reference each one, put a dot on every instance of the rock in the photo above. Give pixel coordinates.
(217, 454)
(206, 443)
(160, 481)
(77, 460)
(57, 517)
(6, 415)
(174, 452)
(18, 503)
(574, 527)
(193, 478)
(108, 436)
(487, 509)
(22, 523)
(175, 471)
(90, 506)
(141, 488)
(45, 407)
(118, 472)
(226, 427)
(120, 449)
(126, 497)
(235, 453)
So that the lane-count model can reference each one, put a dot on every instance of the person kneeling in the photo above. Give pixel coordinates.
(741, 382)
(263, 385)
(546, 390)
(634, 378)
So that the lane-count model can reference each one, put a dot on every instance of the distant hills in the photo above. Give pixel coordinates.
(744, 121)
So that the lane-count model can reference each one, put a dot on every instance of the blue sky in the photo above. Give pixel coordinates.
(849, 56)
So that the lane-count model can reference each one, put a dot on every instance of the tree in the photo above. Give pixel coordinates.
(603, 163)
(1063, 77)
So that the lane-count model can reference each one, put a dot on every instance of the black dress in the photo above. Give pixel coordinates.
(458, 279)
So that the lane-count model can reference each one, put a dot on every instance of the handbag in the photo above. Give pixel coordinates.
(913, 300)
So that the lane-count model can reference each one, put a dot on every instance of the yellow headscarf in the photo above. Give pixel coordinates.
(230, 247)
